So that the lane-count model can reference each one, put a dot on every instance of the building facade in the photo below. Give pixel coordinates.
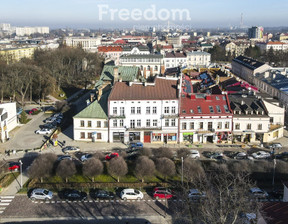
(8, 120)
(198, 59)
(175, 59)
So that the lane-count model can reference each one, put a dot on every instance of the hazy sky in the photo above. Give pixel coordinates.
(86, 13)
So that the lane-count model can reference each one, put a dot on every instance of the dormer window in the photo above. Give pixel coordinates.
(184, 111)
(199, 109)
(211, 109)
(226, 108)
(191, 111)
(217, 97)
(218, 109)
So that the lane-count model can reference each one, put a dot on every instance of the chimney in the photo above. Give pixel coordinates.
(192, 97)
(99, 94)
(115, 74)
(208, 97)
(242, 102)
(266, 74)
(130, 83)
(92, 97)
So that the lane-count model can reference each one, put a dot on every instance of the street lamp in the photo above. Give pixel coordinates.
(182, 170)
(21, 180)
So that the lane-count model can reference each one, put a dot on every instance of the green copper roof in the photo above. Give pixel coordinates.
(95, 109)
(127, 73)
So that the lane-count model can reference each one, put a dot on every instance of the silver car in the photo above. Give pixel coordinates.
(70, 149)
(42, 194)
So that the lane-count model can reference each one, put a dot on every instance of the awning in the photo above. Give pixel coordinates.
(189, 133)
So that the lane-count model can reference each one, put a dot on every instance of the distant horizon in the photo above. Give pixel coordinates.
(114, 14)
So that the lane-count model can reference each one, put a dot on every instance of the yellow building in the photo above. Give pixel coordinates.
(16, 54)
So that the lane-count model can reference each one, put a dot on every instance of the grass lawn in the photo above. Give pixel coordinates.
(8, 178)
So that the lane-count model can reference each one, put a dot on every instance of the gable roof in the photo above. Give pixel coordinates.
(97, 109)
(127, 73)
(162, 89)
(250, 63)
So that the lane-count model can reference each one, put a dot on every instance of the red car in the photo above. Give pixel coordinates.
(33, 111)
(161, 192)
(112, 155)
(14, 166)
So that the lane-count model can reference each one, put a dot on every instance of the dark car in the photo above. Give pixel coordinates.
(72, 194)
(277, 193)
(101, 194)
(14, 166)
(283, 156)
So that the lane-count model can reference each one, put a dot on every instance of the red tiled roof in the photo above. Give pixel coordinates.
(109, 48)
(167, 46)
(189, 103)
(276, 212)
(275, 43)
(120, 42)
(163, 90)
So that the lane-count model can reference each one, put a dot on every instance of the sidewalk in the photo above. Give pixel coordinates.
(15, 186)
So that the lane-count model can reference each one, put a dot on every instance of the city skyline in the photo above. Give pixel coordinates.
(86, 13)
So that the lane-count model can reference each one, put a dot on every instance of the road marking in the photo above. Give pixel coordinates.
(7, 197)
(4, 204)
(9, 200)
(2, 208)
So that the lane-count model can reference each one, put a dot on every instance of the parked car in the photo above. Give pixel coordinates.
(275, 146)
(50, 126)
(72, 194)
(112, 155)
(49, 120)
(195, 194)
(58, 115)
(32, 111)
(277, 193)
(162, 193)
(70, 149)
(85, 157)
(136, 145)
(131, 194)
(14, 166)
(242, 155)
(102, 194)
(42, 194)
(62, 157)
(261, 155)
(194, 154)
(283, 156)
(258, 193)
(43, 131)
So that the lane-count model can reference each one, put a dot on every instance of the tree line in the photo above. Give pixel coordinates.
(47, 72)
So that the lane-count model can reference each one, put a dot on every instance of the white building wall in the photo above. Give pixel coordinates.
(276, 112)
(254, 121)
(10, 122)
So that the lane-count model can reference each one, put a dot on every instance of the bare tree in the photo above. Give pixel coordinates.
(145, 167)
(193, 170)
(117, 167)
(93, 167)
(42, 166)
(183, 153)
(146, 152)
(166, 167)
(66, 169)
(163, 152)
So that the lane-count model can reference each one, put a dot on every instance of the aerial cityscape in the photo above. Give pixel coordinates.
(136, 112)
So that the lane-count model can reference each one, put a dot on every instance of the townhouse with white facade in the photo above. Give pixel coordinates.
(149, 64)
(146, 112)
(276, 46)
(111, 52)
(8, 120)
(246, 68)
(87, 43)
(175, 59)
(198, 59)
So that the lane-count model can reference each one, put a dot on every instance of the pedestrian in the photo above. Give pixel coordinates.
(64, 143)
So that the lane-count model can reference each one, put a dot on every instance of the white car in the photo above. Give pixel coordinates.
(43, 131)
(86, 157)
(194, 154)
(258, 193)
(131, 194)
(195, 194)
(40, 193)
(261, 155)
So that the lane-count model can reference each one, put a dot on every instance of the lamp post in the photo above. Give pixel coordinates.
(182, 170)
(21, 180)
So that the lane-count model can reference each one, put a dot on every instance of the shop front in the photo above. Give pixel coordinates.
(134, 136)
(170, 138)
(118, 136)
(188, 137)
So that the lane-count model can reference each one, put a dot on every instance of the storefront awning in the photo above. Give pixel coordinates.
(188, 133)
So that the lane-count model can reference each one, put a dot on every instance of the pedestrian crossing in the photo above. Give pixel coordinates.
(4, 202)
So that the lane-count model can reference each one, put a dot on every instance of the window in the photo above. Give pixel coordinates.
(99, 136)
(141, 67)
(121, 123)
(248, 126)
(138, 123)
(192, 125)
(184, 111)
(217, 97)
(166, 122)
(138, 110)
(132, 110)
(166, 110)
(89, 124)
(122, 111)
(148, 67)
(191, 111)
(223, 97)
(259, 126)
(218, 109)
(173, 122)
(148, 123)
(82, 135)
(173, 110)
(105, 124)
(219, 125)
(82, 123)
(155, 123)
(90, 135)
(237, 126)
(154, 110)
(99, 124)
(210, 126)
(156, 68)
(114, 110)
(147, 110)
(199, 109)
(227, 124)
(201, 125)
(114, 123)
(132, 123)
(211, 109)
(226, 108)
(184, 126)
